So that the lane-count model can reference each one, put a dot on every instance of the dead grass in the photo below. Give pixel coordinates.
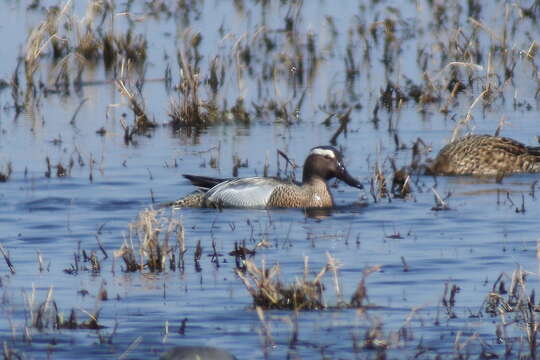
(131, 47)
(189, 110)
(88, 45)
(269, 292)
(46, 316)
(517, 303)
(77, 44)
(147, 246)
(142, 122)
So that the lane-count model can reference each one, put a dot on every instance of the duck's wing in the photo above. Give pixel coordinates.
(534, 150)
(516, 148)
(253, 192)
(204, 181)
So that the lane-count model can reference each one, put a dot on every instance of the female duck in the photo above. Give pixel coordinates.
(322, 164)
(485, 155)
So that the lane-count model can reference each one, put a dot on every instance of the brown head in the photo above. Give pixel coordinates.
(326, 162)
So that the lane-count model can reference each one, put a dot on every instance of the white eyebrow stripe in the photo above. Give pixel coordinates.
(323, 152)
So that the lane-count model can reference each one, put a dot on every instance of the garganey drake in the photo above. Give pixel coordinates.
(322, 164)
(485, 155)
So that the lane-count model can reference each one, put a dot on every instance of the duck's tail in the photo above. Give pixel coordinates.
(204, 181)
(534, 150)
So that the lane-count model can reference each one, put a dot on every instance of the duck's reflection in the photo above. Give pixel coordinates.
(323, 213)
(318, 213)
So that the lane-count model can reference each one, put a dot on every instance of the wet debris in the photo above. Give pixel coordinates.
(197, 256)
(142, 122)
(419, 150)
(519, 209)
(401, 181)
(449, 299)
(343, 121)
(241, 253)
(6, 172)
(7, 259)
(85, 261)
(360, 294)
(101, 131)
(46, 315)
(404, 263)
(440, 203)
(392, 97)
(401, 185)
(238, 163)
(378, 187)
(215, 255)
(514, 299)
(514, 306)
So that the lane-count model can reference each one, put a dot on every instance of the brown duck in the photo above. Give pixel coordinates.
(485, 155)
(322, 164)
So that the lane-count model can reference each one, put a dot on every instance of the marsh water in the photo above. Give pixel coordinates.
(290, 66)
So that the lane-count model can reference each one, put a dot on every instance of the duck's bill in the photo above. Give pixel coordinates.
(348, 179)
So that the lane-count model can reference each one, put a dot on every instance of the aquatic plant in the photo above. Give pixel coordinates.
(153, 250)
(269, 292)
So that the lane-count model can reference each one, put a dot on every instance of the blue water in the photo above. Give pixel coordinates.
(480, 237)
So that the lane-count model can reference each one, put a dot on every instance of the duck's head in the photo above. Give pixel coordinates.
(326, 162)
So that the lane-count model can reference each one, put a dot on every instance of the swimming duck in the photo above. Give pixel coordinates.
(322, 164)
(485, 155)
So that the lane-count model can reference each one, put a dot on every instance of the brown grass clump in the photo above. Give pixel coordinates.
(514, 299)
(46, 315)
(34, 48)
(59, 46)
(268, 292)
(88, 42)
(189, 110)
(152, 251)
(401, 184)
(520, 305)
(142, 122)
(88, 45)
(131, 47)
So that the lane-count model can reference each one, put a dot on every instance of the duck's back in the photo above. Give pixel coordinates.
(485, 155)
(263, 192)
(251, 192)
